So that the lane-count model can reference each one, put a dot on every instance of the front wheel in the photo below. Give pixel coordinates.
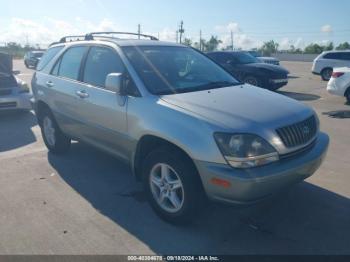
(251, 80)
(172, 185)
(54, 139)
(347, 95)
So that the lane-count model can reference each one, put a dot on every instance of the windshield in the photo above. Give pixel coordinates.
(245, 58)
(255, 53)
(37, 55)
(170, 70)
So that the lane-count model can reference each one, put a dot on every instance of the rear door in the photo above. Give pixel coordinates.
(345, 56)
(102, 111)
(63, 85)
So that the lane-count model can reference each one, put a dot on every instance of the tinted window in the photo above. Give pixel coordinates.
(70, 62)
(100, 62)
(338, 55)
(38, 54)
(49, 54)
(244, 58)
(346, 56)
(220, 58)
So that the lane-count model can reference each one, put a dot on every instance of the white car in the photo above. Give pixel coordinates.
(14, 93)
(323, 64)
(339, 84)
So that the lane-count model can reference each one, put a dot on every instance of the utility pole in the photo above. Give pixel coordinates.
(181, 30)
(139, 30)
(232, 40)
(200, 40)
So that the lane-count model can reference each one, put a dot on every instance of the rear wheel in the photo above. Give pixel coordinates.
(347, 95)
(326, 74)
(54, 139)
(173, 185)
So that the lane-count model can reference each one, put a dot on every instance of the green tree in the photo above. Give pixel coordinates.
(343, 46)
(329, 47)
(314, 49)
(187, 41)
(269, 48)
(212, 44)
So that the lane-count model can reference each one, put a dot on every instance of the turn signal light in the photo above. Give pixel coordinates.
(220, 182)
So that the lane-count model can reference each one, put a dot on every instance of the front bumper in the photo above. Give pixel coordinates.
(251, 185)
(16, 102)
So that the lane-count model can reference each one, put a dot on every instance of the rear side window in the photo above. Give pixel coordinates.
(338, 56)
(69, 65)
(49, 54)
(346, 56)
(100, 62)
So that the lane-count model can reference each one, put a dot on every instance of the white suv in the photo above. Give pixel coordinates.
(323, 64)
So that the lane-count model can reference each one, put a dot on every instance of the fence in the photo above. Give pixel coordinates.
(295, 57)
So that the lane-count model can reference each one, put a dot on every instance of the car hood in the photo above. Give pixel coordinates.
(267, 58)
(6, 65)
(272, 68)
(243, 108)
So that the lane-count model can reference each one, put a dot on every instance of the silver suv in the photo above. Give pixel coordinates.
(188, 129)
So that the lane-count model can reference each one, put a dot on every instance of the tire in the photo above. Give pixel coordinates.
(252, 80)
(183, 194)
(326, 74)
(54, 139)
(26, 64)
(347, 96)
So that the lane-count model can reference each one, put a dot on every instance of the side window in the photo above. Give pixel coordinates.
(70, 62)
(56, 67)
(49, 54)
(333, 56)
(100, 62)
(345, 56)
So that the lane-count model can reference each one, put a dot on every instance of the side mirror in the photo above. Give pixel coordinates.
(114, 82)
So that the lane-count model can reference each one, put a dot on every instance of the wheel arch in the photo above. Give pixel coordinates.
(41, 106)
(146, 144)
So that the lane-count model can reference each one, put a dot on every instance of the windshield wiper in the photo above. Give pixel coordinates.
(217, 84)
(207, 86)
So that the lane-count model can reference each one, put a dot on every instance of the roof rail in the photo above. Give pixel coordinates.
(72, 37)
(90, 36)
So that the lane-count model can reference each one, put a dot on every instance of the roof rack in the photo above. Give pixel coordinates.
(90, 36)
(72, 38)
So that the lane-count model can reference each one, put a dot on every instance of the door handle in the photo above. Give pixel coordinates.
(49, 84)
(82, 94)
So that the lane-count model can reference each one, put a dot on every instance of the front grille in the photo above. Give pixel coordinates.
(5, 92)
(8, 105)
(298, 134)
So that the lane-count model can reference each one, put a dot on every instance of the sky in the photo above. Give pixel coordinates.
(297, 22)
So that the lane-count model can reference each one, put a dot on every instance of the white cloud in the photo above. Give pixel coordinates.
(326, 29)
(286, 43)
(50, 30)
(232, 26)
(240, 39)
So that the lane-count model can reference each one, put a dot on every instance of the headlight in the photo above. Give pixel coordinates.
(23, 88)
(245, 150)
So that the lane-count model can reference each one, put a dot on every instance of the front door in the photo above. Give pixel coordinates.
(103, 115)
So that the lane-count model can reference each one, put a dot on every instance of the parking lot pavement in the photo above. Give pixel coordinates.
(86, 202)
